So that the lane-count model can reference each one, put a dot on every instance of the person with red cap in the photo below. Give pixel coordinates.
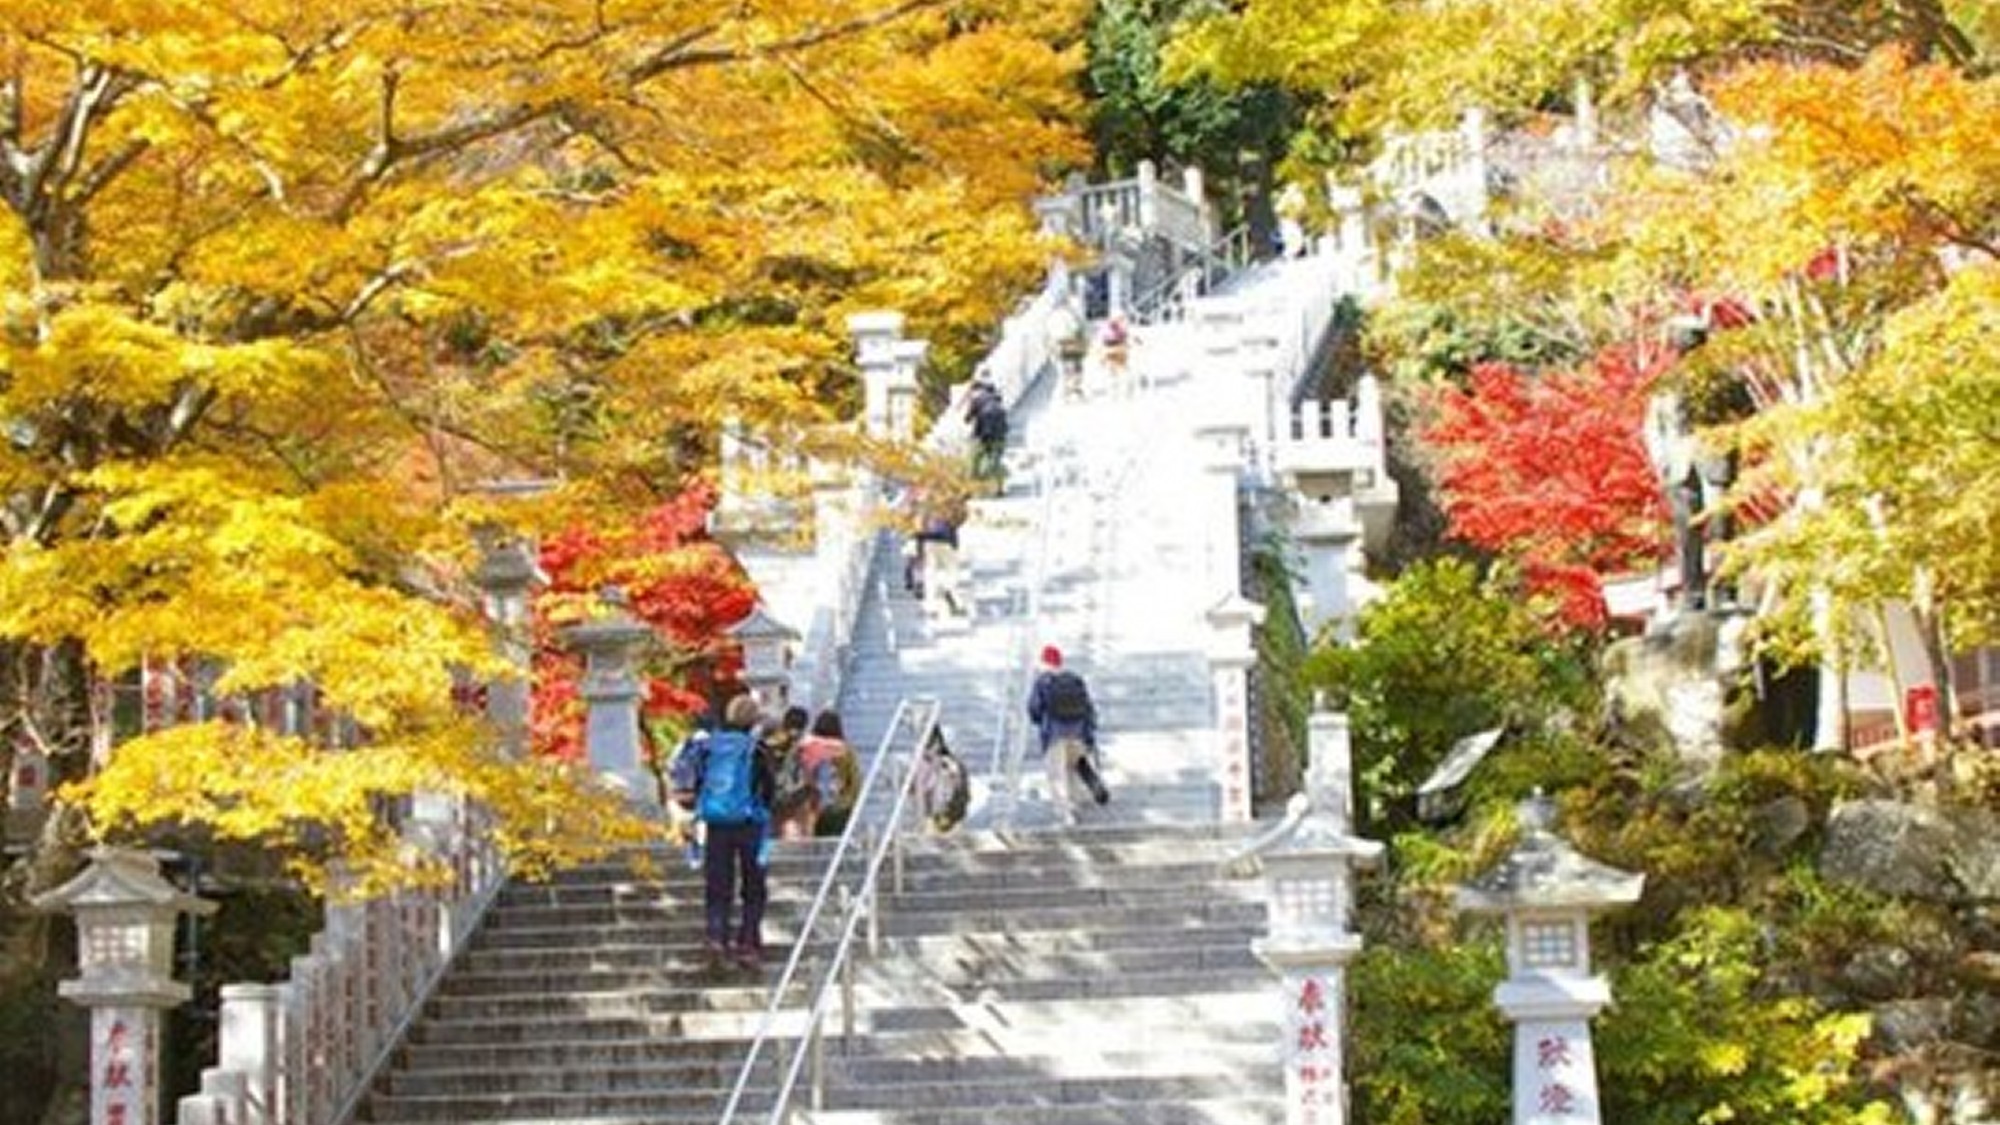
(1059, 705)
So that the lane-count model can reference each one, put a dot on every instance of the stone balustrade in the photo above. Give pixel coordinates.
(303, 1051)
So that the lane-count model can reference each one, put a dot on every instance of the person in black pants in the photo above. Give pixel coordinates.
(735, 789)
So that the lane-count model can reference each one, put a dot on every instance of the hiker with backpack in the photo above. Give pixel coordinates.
(729, 785)
(986, 412)
(818, 782)
(780, 748)
(1059, 705)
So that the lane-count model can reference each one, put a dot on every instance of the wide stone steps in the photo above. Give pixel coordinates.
(1198, 1111)
(660, 960)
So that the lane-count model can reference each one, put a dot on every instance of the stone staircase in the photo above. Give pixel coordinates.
(1102, 974)
(1026, 972)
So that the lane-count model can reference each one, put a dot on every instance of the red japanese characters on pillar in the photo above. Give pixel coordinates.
(1312, 1050)
(1553, 1059)
(1232, 694)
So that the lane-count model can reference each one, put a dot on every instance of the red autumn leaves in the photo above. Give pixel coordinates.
(675, 579)
(1550, 470)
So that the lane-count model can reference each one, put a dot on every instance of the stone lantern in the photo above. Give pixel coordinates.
(876, 336)
(611, 645)
(506, 576)
(902, 389)
(1547, 892)
(767, 659)
(1308, 864)
(125, 918)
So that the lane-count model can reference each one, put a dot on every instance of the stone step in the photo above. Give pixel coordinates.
(593, 1072)
(878, 987)
(923, 874)
(964, 964)
(960, 1092)
(914, 900)
(689, 955)
(1189, 915)
(1238, 1110)
(1053, 1093)
(1236, 1040)
(1109, 1017)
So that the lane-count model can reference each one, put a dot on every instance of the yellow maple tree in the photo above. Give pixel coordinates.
(283, 283)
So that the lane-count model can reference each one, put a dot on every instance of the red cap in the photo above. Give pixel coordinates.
(1052, 656)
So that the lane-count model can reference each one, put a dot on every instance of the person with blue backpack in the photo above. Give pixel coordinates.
(730, 785)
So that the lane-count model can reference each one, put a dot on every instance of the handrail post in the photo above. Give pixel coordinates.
(873, 907)
(848, 905)
(847, 1003)
(896, 828)
(817, 1045)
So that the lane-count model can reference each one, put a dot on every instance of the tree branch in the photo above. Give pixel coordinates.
(682, 54)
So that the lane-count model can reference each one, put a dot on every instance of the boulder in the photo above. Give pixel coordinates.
(1880, 972)
(1905, 1025)
(1889, 848)
(1778, 824)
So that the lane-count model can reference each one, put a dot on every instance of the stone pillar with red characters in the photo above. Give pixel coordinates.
(125, 919)
(1546, 892)
(1308, 862)
(1231, 654)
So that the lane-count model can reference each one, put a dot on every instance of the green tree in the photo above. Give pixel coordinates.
(1138, 113)
(1442, 655)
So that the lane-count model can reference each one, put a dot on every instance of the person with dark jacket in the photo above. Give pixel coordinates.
(1065, 717)
(986, 413)
(732, 787)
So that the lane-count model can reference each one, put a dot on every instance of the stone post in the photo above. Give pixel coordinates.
(1309, 876)
(876, 335)
(27, 793)
(125, 918)
(907, 358)
(1468, 177)
(1586, 116)
(611, 689)
(1223, 440)
(505, 576)
(1149, 196)
(1232, 652)
(1260, 350)
(1195, 186)
(1546, 892)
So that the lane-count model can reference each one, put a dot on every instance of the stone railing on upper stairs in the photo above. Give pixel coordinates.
(1448, 167)
(1095, 214)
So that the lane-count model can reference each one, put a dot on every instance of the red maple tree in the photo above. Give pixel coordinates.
(1550, 469)
(675, 578)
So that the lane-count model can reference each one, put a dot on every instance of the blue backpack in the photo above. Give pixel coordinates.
(726, 796)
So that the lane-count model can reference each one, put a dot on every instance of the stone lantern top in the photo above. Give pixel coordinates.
(125, 918)
(121, 877)
(1543, 872)
(761, 626)
(614, 630)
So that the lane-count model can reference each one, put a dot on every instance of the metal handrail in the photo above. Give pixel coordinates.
(1012, 745)
(924, 713)
(840, 965)
(1217, 262)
